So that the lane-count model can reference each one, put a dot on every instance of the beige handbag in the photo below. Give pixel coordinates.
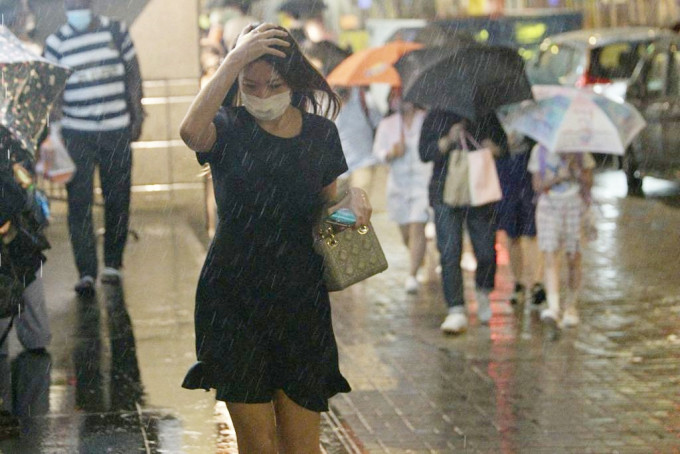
(350, 255)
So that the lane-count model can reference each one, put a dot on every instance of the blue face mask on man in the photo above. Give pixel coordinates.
(80, 19)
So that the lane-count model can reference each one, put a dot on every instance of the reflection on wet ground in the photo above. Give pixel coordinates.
(111, 380)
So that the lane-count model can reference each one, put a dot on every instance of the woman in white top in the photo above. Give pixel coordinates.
(396, 142)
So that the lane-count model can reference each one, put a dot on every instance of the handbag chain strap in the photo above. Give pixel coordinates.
(327, 234)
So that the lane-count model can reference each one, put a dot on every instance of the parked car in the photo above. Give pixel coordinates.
(640, 65)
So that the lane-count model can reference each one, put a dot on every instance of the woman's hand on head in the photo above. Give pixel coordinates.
(357, 201)
(254, 42)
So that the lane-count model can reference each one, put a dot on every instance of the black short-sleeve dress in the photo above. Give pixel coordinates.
(263, 317)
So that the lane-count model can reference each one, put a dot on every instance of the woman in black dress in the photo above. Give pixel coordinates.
(264, 338)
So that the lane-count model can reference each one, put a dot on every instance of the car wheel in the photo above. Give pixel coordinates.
(633, 178)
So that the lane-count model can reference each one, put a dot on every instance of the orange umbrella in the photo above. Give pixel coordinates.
(372, 66)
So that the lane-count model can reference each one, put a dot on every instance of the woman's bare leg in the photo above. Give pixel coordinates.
(417, 245)
(552, 282)
(298, 428)
(516, 260)
(574, 264)
(533, 261)
(405, 231)
(255, 426)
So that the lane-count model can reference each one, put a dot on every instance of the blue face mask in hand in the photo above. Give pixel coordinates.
(80, 19)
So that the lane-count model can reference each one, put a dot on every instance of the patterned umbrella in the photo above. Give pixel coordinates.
(30, 86)
(569, 120)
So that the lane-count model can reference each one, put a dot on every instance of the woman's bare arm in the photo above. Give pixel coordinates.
(197, 129)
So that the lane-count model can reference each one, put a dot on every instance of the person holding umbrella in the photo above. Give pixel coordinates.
(440, 134)
(100, 116)
(565, 122)
(21, 260)
(563, 182)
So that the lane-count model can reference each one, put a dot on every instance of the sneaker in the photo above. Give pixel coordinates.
(85, 286)
(517, 295)
(111, 276)
(570, 318)
(538, 294)
(468, 262)
(483, 306)
(455, 323)
(412, 285)
(552, 330)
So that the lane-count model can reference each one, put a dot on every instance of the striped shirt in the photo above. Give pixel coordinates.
(95, 97)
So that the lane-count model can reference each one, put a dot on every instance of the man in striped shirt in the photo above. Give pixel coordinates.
(100, 114)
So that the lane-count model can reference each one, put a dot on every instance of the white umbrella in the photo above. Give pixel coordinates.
(567, 120)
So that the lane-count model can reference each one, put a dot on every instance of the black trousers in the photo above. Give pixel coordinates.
(112, 153)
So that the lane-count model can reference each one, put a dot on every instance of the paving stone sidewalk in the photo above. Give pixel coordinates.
(610, 385)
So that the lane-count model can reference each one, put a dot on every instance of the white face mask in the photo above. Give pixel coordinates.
(266, 109)
(80, 19)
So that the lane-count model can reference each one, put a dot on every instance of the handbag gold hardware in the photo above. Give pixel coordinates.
(350, 255)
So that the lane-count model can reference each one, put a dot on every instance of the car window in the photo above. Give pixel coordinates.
(657, 75)
(617, 60)
(555, 65)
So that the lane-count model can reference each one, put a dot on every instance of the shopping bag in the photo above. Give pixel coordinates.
(55, 162)
(485, 187)
(457, 186)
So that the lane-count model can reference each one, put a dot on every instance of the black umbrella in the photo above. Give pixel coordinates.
(30, 86)
(327, 52)
(471, 80)
(303, 9)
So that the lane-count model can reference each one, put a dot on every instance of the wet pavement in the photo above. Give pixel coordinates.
(610, 385)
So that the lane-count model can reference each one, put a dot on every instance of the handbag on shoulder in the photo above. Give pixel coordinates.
(349, 255)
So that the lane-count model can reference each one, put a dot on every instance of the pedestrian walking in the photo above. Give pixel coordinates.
(356, 123)
(396, 142)
(563, 182)
(264, 338)
(101, 114)
(517, 217)
(21, 260)
(441, 132)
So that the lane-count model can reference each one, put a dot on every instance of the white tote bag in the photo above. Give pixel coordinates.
(55, 162)
(485, 187)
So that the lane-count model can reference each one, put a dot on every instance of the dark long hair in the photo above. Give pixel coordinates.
(304, 80)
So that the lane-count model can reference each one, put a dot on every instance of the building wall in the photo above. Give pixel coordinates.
(166, 36)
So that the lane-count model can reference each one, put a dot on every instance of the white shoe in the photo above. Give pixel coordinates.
(412, 285)
(111, 276)
(455, 323)
(570, 318)
(483, 307)
(549, 320)
(468, 262)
